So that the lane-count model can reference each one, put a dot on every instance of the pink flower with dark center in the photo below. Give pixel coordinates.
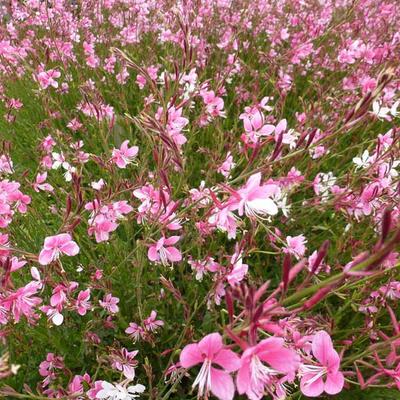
(323, 376)
(164, 251)
(124, 361)
(210, 351)
(56, 245)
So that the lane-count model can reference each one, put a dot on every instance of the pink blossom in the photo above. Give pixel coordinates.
(208, 352)
(56, 245)
(40, 183)
(254, 199)
(124, 155)
(82, 303)
(151, 323)
(48, 78)
(254, 376)
(124, 361)
(296, 246)
(164, 251)
(312, 382)
(109, 303)
(135, 331)
(22, 301)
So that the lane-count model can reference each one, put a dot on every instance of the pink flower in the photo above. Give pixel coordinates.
(124, 361)
(254, 376)
(22, 301)
(253, 199)
(312, 383)
(296, 245)
(56, 245)
(135, 331)
(151, 323)
(48, 78)
(164, 252)
(124, 155)
(40, 183)
(210, 350)
(82, 303)
(255, 126)
(109, 303)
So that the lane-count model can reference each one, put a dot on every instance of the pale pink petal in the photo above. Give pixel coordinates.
(228, 360)
(313, 389)
(266, 130)
(222, 385)
(171, 240)
(153, 254)
(334, 383)
(173, 254)
(253, 181)
(190, 355)
(63, 238)
(46, 256)
(70, 248)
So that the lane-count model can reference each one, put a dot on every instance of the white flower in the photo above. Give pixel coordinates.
(98, 185)
(119, 391)
(364, 161)
(385, 112)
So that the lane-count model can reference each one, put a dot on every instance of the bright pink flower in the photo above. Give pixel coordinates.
(101, 227)
(255, 127)
(164, 251)
(56, 245)
(21, 301)
(312, 382)
(254, 376)
(124, 155)
(109, 303)
(208, 352)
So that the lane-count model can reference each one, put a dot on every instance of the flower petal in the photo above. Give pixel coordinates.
(190, 356)
(211, 344)
(334, 383)
(228, 360)
(222, 384)
(323, 350)
(311, 387)
(46, 256)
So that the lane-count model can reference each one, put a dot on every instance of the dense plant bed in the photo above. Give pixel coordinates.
(199, 199)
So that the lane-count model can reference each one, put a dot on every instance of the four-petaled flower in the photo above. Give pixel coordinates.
(56, 245)
(210, 351)
(324, 375)
(164, 251)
